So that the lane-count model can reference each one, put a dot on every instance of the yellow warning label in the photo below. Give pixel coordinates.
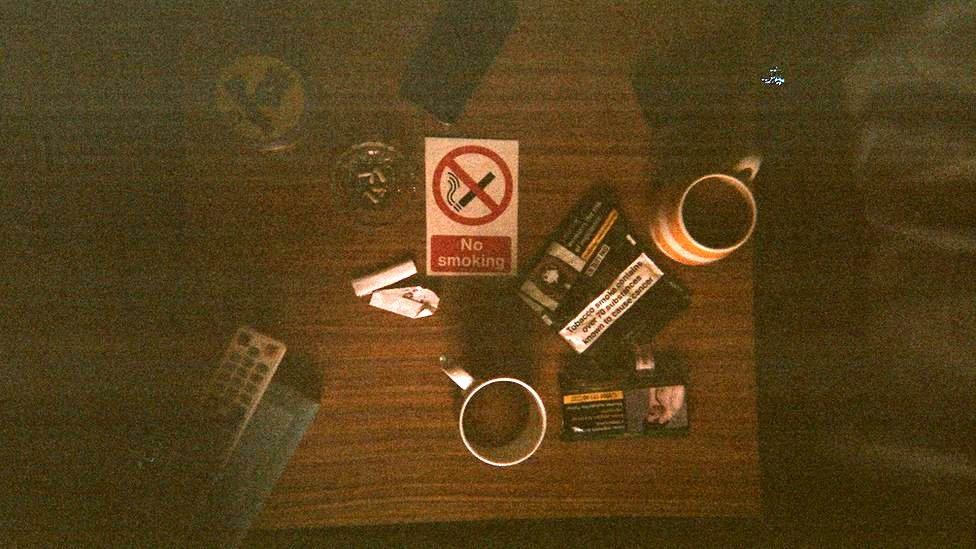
(593, 397)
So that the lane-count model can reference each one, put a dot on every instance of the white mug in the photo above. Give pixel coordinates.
(525, 443)
(670, 232)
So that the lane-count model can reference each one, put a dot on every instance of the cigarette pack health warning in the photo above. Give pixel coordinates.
(600, 405)
(596, 284)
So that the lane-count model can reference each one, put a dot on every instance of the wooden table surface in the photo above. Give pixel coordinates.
(212, 239)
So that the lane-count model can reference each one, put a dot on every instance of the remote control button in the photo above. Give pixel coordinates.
(248, 361)
(253, 351)
(243, 337)
(235, 356)
(256, 377)
(262, 368)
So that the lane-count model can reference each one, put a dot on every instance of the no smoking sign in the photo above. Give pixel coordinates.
(472, 206)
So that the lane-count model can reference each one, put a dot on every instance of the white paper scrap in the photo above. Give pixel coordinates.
(412, 302)
(366, 285)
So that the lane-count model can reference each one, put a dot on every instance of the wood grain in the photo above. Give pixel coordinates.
(161, 238)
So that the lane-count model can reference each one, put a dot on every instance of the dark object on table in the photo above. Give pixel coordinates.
(275, 429)
(371, 183)
(198, 496)
(446, 68)
(601, 402)
(596, 285)
(263, 102)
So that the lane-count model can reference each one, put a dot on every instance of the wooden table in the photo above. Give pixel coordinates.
(255, 239)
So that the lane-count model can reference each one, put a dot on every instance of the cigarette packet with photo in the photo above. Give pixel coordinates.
(602, 403)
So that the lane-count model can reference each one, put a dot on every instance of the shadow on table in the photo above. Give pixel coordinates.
(498, 335)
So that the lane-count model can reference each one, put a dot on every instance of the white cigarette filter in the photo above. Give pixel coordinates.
(368, 284)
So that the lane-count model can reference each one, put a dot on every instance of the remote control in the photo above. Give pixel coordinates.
(213, 422)
(236, 386)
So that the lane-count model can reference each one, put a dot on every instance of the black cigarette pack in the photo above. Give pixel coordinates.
(600, 402)
(597, 286)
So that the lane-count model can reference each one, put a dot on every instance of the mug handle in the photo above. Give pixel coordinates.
(748, 164)
(457, 374)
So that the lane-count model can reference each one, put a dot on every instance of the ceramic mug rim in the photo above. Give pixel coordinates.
(743, 190)
(539, 406)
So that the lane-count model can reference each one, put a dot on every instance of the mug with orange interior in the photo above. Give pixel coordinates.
(709, 219)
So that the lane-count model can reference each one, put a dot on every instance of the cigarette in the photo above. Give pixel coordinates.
(372, 197)
(368, 284)
(379, 175)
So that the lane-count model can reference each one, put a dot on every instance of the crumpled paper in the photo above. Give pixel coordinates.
(411, 302)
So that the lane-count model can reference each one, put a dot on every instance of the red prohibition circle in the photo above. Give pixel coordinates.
(449, 161)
